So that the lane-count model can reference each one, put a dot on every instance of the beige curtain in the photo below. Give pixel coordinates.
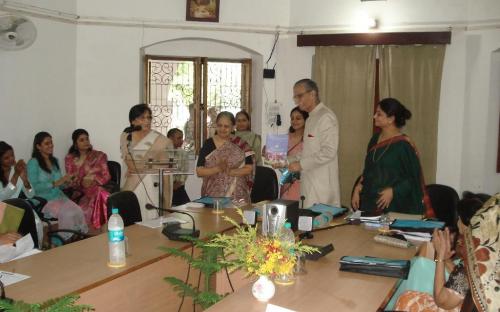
(346, 80)
(412, 74)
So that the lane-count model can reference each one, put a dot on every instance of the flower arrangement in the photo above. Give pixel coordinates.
(257, 255)
(241, 249)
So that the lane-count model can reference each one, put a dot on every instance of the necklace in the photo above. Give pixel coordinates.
(383, 152)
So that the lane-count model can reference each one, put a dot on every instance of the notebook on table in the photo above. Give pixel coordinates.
(208, 201)
(416, 225)
(322, 208)
(375, 266)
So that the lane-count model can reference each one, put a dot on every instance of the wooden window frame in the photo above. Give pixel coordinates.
(200, 86)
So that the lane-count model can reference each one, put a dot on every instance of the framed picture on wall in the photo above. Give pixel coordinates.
(202, 10)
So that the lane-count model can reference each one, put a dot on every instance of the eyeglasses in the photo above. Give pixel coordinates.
(297, 97)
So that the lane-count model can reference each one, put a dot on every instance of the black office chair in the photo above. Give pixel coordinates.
(128, 206)
(115, 171)
(444, 200)
(481, 196)
(27, 224)
(265, 186)
(53, 233)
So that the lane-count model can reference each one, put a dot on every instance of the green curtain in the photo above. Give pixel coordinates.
(412, 74)
(346, 81)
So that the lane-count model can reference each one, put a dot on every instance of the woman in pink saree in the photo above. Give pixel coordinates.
(290, 182)
(90, 172)
(226, 163)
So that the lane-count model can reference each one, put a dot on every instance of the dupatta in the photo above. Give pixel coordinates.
(482, 261)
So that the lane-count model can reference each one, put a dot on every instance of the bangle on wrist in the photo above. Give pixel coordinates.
(439, 260)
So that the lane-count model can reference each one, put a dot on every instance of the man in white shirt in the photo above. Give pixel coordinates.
(179, 195)
(318, 164)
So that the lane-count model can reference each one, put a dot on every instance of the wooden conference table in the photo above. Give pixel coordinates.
(81, 268)
(324, 287)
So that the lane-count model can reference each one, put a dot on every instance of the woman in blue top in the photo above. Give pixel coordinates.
(46, 178)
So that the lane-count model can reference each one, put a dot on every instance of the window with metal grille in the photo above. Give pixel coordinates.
(188, 93)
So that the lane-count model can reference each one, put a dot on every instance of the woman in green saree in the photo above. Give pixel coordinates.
(392, 178)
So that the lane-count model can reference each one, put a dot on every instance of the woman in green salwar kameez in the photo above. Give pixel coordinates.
(392, 179)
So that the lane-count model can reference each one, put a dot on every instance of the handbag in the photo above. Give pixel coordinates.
(375, 266)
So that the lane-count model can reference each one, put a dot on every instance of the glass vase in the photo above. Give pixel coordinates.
(285, 279)
(263, 289)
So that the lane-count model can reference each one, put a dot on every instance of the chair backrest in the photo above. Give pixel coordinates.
(128, 206)
(27, 224)
(265, 185)
(115, 171)
(481, 196)
(444, 200)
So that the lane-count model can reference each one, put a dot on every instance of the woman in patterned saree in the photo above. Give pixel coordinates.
(139, 144)
(90, 171)
(482, 261)
(226, 163)
(392, 178)
(478, 225)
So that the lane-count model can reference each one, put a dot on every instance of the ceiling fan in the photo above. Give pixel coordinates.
(16, 32)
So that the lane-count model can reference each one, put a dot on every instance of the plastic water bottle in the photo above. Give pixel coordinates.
(322, 220)
(116, 240)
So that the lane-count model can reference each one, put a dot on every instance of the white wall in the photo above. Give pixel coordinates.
(451, 113)
(480, 127)
(241, 12)
(37, 89)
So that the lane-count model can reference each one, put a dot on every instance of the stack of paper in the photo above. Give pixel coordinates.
(414, 236)
(357, 216)
(22, 248)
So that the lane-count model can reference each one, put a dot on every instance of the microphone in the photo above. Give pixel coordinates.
(302, 198)
(132, 129)
(173, 230)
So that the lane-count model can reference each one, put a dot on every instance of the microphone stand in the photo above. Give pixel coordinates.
(174, 231)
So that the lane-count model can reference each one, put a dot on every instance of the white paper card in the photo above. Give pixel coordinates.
(23, 245)
(9, 278)
(274, 308)
(249, 217)
(305, 223)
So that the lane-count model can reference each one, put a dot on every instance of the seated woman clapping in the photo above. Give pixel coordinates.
(13, 175)
(45, 176)
(90, 171)
(226, 163)
(447, 293)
